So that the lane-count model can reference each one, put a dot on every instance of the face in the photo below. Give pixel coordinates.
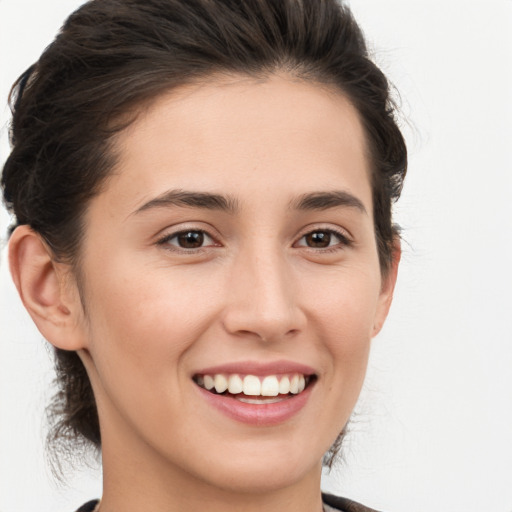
(233, 247)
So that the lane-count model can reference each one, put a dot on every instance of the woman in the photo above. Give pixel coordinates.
(202, 193)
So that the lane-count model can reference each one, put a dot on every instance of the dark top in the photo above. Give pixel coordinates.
(340, 504)
(344, 504)
(88, 507)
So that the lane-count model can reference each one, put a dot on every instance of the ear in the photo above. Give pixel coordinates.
(387, 288)
(47, 289)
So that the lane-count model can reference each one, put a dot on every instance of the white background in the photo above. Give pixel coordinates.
(433, 430)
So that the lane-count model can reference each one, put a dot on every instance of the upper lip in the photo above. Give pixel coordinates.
(258, 368)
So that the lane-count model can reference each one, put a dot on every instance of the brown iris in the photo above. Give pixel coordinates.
(190, 239)
(318, 239)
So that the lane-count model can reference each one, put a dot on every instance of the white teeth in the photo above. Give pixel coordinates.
(236, 385)
(302, 383)
(270, 386)
(284, 386)
(294, 384)
(221, 383)
(209, 383)
(252, 385)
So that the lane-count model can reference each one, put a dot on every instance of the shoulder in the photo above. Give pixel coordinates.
(89, 506)
(335, 503)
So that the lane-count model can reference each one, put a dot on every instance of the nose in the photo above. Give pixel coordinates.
(263, 298)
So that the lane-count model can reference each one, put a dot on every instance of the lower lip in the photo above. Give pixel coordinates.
(258, 414)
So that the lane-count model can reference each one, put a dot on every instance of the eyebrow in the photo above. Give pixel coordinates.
(203, 200)
(313, 201)
(326, 200)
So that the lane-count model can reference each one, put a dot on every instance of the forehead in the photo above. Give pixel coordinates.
(240, 134)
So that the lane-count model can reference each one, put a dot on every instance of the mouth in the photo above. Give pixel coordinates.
(253, 389)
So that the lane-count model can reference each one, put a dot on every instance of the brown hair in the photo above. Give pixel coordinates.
(112, 56)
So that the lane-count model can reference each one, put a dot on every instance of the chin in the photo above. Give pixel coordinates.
(267, 467)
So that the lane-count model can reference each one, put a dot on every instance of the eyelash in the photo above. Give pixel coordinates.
(344, 241)
(165, 240)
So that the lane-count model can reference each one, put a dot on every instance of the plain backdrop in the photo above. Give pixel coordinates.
(433, 429)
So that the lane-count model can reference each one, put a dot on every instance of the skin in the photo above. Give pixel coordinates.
(255, 291)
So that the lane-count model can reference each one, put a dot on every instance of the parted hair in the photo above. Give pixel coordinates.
(111, 58)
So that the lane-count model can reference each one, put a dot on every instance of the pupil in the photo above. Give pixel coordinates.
(191, 239)
(319, 239)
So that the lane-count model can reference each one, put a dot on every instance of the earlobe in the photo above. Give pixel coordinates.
(44, 287)
(387, 288)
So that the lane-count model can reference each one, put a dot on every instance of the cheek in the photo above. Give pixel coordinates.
(345, 302)
(147, 320)
(343, 313)
(141, 329)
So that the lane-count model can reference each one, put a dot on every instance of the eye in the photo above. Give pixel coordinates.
(323, 239)
(188, 239)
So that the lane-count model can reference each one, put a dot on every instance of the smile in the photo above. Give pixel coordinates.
(239, 386)
(258, 394)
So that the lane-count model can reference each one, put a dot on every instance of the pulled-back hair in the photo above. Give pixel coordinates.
(111, 57)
